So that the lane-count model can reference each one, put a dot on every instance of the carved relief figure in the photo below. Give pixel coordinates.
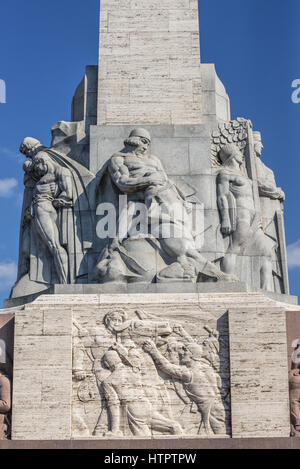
(201, 383)
(271, 205)
(89, 343)
(294, 383)
(55, 229)
(125, 396)
(138, 361)
(266, 180)
(136, 173)
(5, 405)
(130, 335)
(238, 217)
(143, 325)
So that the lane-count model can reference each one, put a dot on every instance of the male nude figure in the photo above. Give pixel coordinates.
(141, 176)
(53, 189)
(238, 217)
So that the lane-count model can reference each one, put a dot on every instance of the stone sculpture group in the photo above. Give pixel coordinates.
(156, 236)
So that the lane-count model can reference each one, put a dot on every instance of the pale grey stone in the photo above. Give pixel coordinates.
(260, 404)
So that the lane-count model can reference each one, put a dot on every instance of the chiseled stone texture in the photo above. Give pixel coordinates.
(149, 62)
(45, 399)
(259, 372)
(42, 392)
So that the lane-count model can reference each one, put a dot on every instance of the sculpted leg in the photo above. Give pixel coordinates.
(45, 224)
(191, 262)
(264, 247)
(205, 410)
(228, 264)
(217, 419)
(266, 275)
(161, 423)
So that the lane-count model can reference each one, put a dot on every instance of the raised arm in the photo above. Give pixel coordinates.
(175, 371)
(223, 190)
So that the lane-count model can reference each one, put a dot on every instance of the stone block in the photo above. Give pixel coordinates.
(259, 373)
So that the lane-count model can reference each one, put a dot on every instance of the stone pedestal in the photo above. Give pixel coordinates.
(57, 397)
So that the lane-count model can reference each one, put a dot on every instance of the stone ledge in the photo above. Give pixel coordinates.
(154, 288)
(174, 444)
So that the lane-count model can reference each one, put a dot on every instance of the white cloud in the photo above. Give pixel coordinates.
(293, 253)
(8, 274)
(9, 152)
(7, 187)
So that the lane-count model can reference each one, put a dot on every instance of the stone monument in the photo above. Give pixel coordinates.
(152, 286)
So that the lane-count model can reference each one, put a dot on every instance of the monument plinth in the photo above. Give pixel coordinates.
(152, 288)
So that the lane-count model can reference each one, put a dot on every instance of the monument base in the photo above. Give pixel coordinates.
(60, 341)
(115, 288)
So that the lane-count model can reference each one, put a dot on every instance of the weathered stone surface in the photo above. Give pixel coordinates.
(258, 364)
(42, 373)
(158, 88)
(257, 375)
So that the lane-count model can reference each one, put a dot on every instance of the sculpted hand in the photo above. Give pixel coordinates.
(178, 329)
(226, 228)
(79, 375)
(119, 349)
(157, 179)
(149, 346)
(57, 203)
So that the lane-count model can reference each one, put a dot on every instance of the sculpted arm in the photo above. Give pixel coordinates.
(222, 193)
(122, 179)
(65, 197)
(175, 371)
(268, 190)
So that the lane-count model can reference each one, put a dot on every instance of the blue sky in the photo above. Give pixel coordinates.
(45, 46)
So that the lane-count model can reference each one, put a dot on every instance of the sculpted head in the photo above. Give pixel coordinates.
(139, 139)
(258, 145)
(114, 319)
(229, 153)
(30, 146)
(111, 360)
(190, 353)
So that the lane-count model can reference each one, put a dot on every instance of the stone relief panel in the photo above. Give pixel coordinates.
(146, 372)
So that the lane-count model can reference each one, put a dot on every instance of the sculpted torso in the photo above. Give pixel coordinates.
(47, 186)
(127, 384)
(241, 188)
(203, 383)
(131, 172)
